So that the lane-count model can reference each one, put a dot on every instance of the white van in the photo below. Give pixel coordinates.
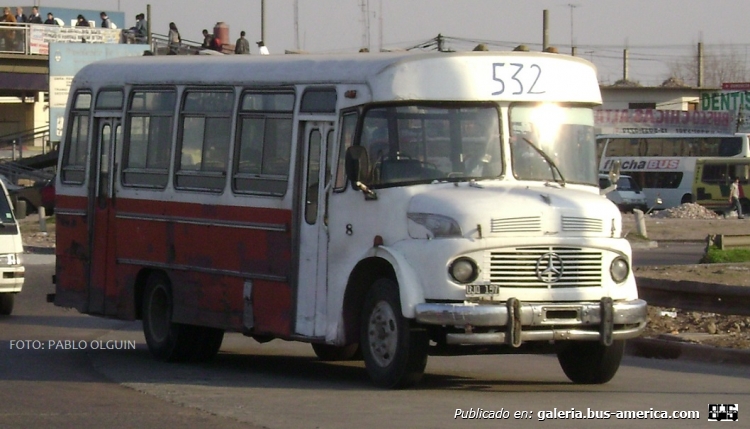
(627, 196)
(11, 247)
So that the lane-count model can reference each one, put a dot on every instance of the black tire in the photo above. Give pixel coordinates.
(208, 343)
(169, 341)
(687, 198)
(394, 351)
(6, 303)
(590, 362)
(327, 352)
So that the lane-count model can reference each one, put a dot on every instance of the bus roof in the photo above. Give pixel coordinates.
(458, 76)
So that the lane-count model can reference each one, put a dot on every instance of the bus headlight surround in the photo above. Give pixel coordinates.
(431, 225)
(619, 269)
(464, 270)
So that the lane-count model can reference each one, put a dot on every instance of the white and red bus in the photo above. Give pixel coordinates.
(393, 204)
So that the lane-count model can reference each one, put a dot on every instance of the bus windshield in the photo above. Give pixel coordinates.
(553, 143)
(409, 144)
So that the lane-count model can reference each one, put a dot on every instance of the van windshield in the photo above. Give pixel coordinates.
(417, 143)
(565, 134)
(627, 184)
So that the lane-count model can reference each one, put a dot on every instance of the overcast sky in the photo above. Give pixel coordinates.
(656, 32)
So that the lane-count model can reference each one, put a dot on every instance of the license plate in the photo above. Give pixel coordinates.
(482, 290)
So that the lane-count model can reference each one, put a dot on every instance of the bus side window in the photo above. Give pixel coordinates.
(147, 148)
(264, 143)
(205, 137)
(74, 158)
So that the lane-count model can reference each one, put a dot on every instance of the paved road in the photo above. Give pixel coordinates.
(669, 253)
(63, 388)
(281, 384)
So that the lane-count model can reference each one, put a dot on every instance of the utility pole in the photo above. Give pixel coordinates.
(296, 24)
(572, 38)
(263, 21)
(545, 29)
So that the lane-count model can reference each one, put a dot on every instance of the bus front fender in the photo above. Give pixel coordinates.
(410, 288)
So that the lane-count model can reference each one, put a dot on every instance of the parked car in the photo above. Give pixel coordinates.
(627, 196)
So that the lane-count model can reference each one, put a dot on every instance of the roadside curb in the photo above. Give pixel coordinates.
(640, 244)
(668, 350)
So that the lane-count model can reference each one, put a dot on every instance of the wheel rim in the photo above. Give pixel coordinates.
(158, 314)
(383, 334)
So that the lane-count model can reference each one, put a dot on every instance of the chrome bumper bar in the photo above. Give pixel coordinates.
(565, 321)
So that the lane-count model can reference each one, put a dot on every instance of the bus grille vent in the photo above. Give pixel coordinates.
(583, 224)
(521, 267)
(517, 224)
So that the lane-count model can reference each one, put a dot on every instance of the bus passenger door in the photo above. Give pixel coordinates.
(312, 219)
(101, 221)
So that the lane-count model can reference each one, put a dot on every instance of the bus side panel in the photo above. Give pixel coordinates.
(209, 251)
(208, 299)
(272, 308)
(72, 253)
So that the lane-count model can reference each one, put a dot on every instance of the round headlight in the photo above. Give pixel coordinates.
(619, 269)
(463, 270)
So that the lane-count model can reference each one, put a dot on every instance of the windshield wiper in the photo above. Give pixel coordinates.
(552, 166)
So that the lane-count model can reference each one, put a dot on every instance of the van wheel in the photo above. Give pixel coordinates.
(687, 198)
(167, 341)
(395, 351)
(6, 303)
(327, 352)
(590, 362)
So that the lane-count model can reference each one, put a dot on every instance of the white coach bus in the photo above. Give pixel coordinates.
(663, 164)
(377, 206)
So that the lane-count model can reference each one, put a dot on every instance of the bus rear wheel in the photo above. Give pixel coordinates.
(327, 352)
(590, 362)
(6, 303)
(169, 341)
(394, 351)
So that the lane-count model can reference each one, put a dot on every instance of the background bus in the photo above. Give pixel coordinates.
(713, 176)
(664, 164)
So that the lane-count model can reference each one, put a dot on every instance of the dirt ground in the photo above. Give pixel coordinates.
(669, 323)
(691, 326)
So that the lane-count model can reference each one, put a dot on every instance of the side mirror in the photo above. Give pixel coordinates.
(357, 165)
(614, 171)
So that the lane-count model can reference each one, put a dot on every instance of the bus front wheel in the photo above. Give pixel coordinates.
(590, 362)
(394, 351)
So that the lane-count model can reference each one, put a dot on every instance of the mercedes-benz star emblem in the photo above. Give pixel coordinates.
(549, 267)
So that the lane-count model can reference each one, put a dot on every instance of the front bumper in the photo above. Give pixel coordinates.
(12, 279)
(515, 322)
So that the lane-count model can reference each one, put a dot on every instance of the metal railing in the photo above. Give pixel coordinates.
(34, 39)
(160, 46)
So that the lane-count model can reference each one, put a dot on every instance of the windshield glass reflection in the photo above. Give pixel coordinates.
(564, 134)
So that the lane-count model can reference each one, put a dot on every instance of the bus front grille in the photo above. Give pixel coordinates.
(546, 267)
